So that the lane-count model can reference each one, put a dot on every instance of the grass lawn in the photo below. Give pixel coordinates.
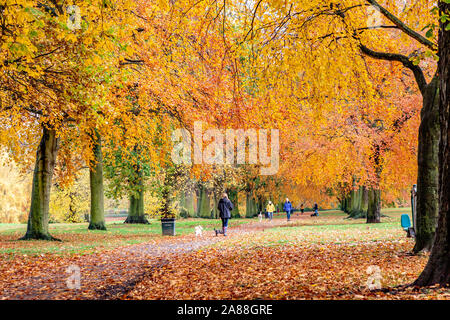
(76, 238)
(330, 226)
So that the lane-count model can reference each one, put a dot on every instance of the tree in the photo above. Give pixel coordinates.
(437, 270)
(97, 217)
(54, 85)
(71, 202)
(127, 170)
(37, 227)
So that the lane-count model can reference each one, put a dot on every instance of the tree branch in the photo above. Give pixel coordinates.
(417, 71)
(410, 32)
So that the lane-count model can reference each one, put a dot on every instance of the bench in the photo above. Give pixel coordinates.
(406, 225)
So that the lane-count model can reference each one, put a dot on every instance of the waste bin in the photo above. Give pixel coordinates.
(168, 227)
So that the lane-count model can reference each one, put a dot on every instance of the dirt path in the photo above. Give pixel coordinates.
(108, 274)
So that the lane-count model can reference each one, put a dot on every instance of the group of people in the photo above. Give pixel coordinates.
(287, 207)
(225, 206)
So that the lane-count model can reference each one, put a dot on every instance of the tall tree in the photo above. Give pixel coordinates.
(437, 270)
(97, 217)
(37, 227)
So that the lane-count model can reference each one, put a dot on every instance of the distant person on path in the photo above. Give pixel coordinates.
(225, 206)
(288, 208)
(270, 209)
(316, 210)
(302, 209)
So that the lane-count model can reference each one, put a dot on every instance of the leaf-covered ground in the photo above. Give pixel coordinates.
(325, 257)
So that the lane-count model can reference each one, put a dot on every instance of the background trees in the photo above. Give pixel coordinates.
(54, 85)
(345, 94)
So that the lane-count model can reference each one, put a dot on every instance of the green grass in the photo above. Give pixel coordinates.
(330, 227)
(183, 226)
(76, 238)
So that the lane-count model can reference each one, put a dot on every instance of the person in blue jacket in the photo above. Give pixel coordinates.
(288, 208)
(316, 210)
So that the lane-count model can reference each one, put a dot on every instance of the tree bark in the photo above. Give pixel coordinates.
(355, 210)
(345, 204)
(204, 204)
(215, 210)
(37, 227)
(233, 196)
(136, 213)
(251, 206)
(352, 200)
(437, 270)
(427, 177)
(374, 198)
(364, 201)
(187, 204)
(374, 206)
(97, 220)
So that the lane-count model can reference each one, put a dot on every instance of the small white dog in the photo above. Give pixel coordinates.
(260, 217)
(198, 231)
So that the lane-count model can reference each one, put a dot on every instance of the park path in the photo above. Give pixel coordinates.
(109, 274)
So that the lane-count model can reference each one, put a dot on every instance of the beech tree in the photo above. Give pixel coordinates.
(437, 270)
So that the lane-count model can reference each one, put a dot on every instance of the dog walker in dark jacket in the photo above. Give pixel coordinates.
(225, 206)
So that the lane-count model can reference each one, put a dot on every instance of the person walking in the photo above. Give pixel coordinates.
(288, 208)
(316, 210)
(302, 208)
(270, 209)
(225, 206)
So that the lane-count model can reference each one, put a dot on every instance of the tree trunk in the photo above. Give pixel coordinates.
(251, 206)
(204, 205)
(356, 204)
(364, 201)
(374, 206)
(97, 220)
(352, 200)
(233, 196)
(190, 203)
(182, 205)
(347, 203)
(260, 204)
(187, 204)
(437, 270)
(344, 204)
(37, 227)
(427, 177)
(215, 210)
(136, 212)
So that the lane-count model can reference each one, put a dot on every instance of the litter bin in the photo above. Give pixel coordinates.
(168, 227)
